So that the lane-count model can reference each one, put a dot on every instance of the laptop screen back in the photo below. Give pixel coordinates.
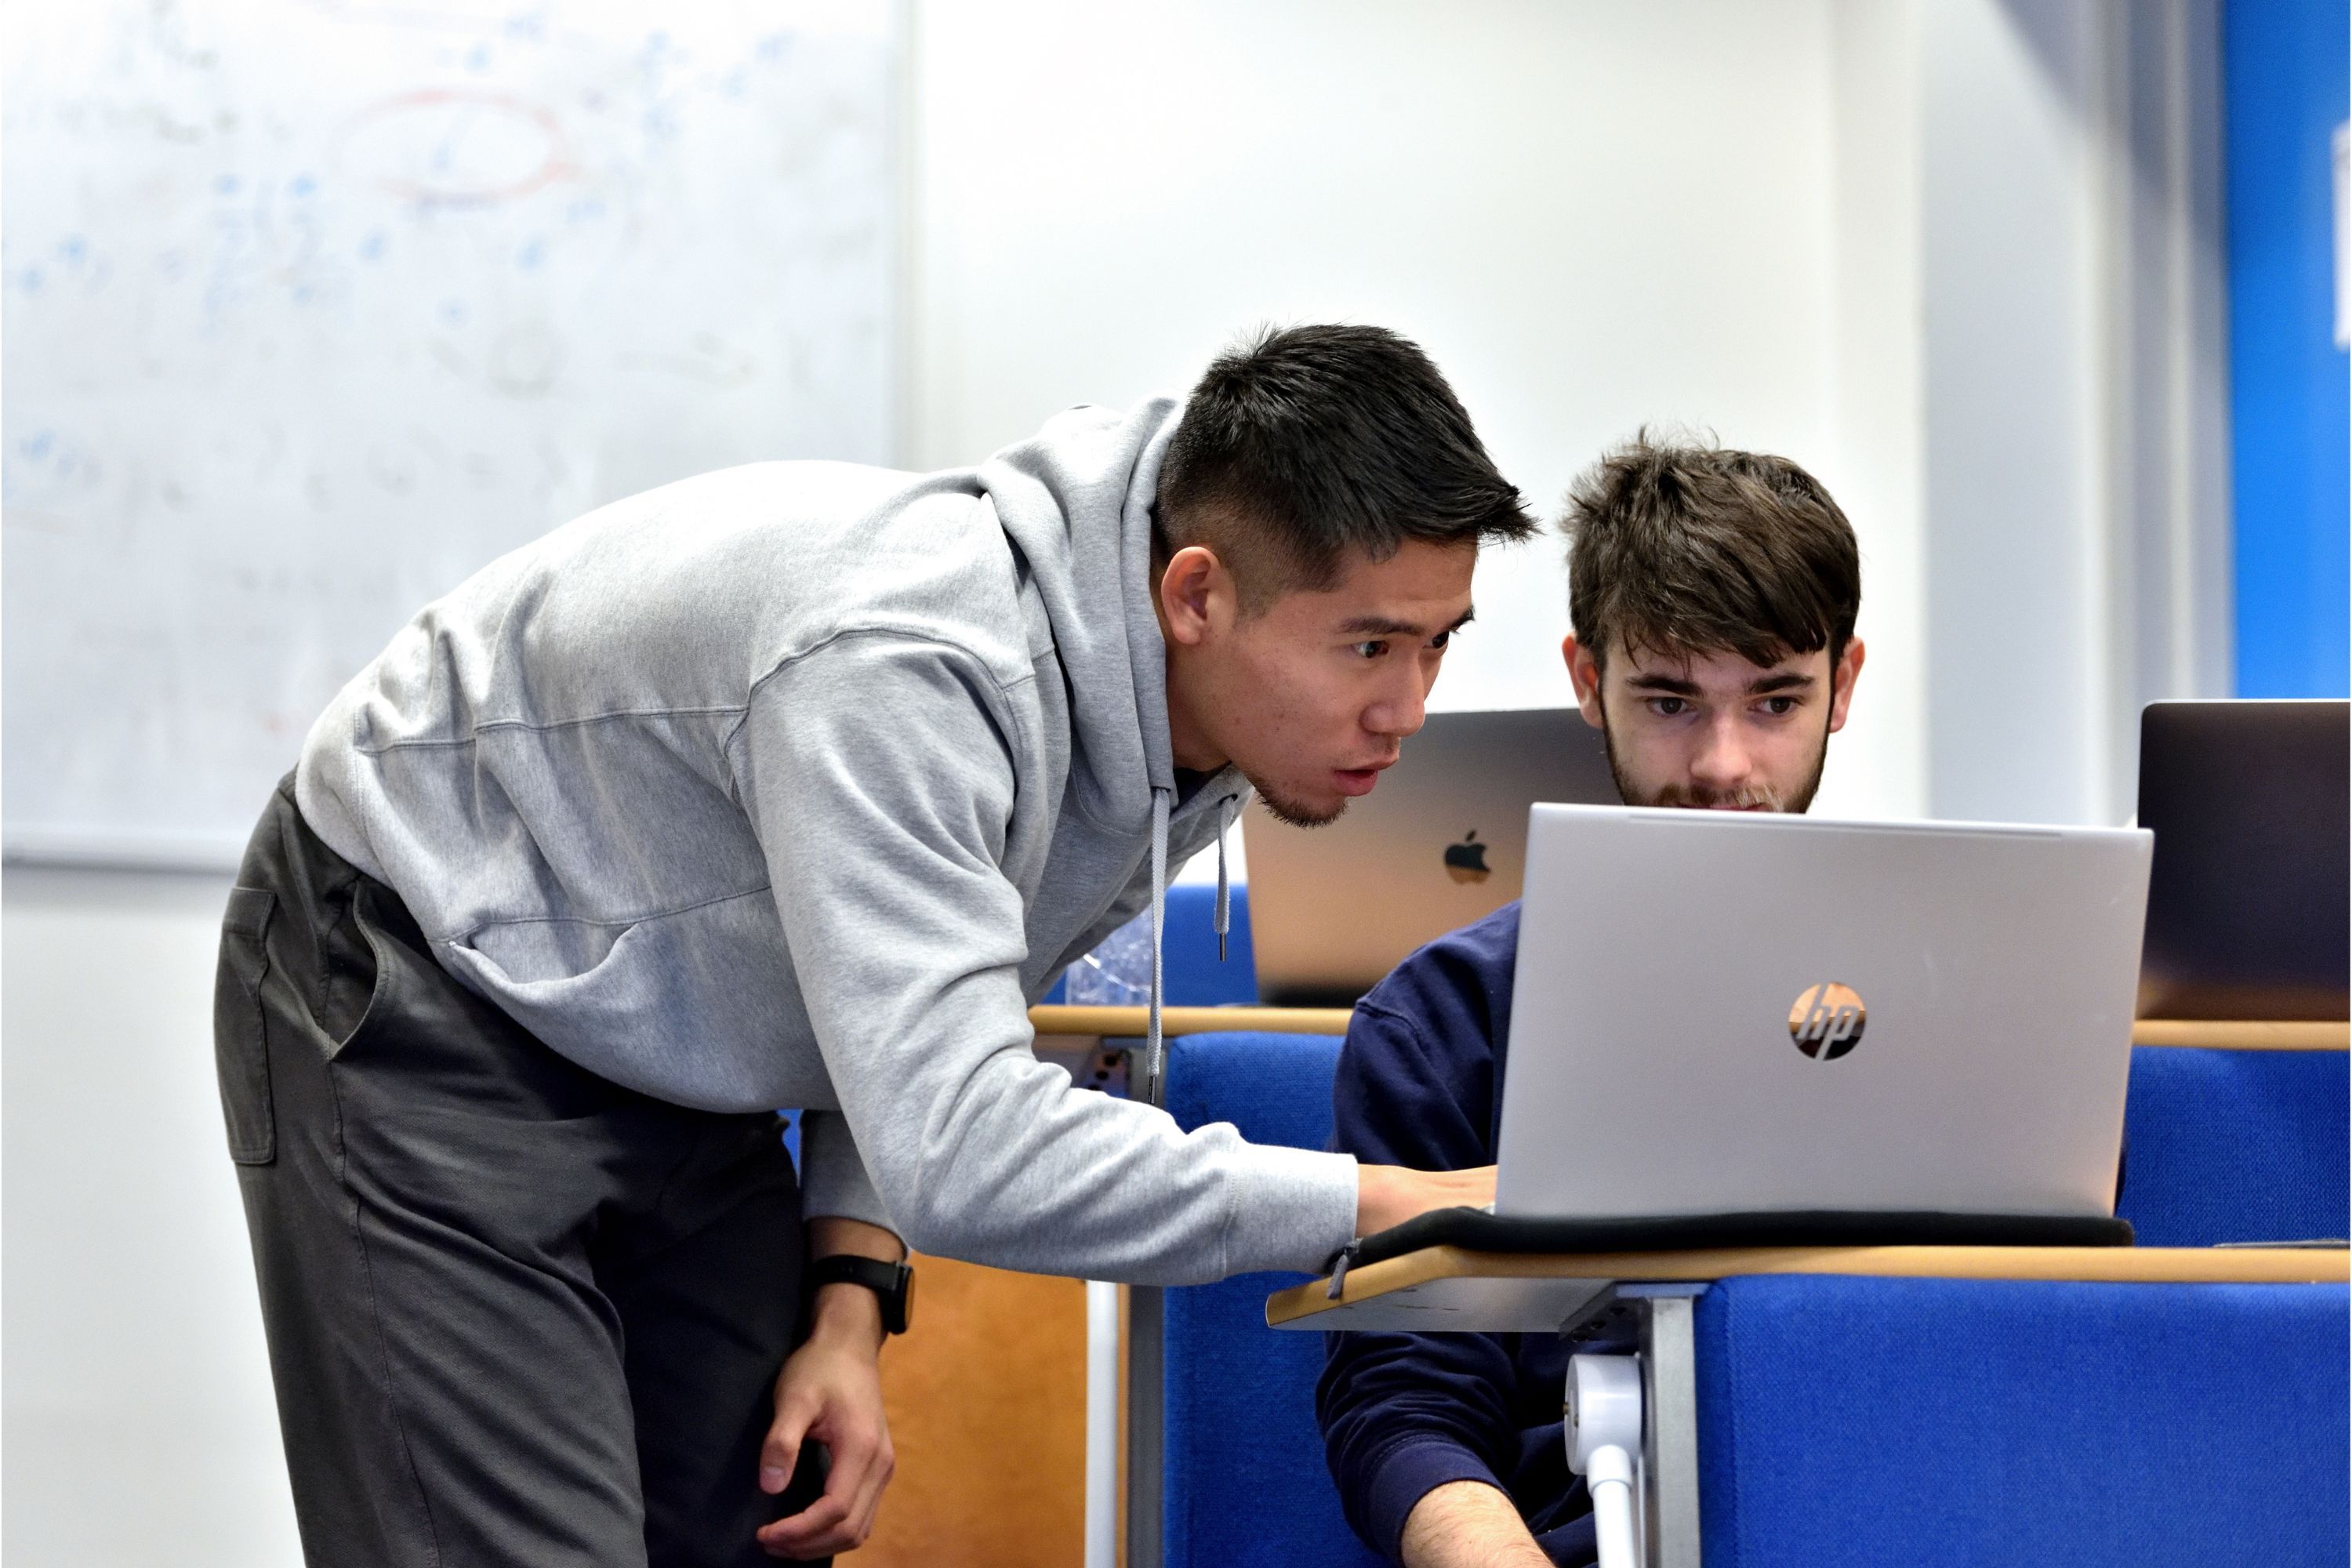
(1441, 842)
(2246, 903)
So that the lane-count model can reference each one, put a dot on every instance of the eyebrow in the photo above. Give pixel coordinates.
(1763, 686)
(1383, 626)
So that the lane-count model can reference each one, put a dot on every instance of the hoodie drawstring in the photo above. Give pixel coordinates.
(1155, 1053)
(1223, 920)
(1155, 1087)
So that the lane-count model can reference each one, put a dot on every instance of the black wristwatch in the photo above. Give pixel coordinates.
(893, 1282)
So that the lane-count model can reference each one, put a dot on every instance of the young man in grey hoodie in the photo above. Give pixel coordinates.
(795, 785)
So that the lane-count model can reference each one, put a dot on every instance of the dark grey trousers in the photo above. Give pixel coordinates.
(518, 1315)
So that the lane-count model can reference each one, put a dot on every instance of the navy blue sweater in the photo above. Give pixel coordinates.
(1420, 1084)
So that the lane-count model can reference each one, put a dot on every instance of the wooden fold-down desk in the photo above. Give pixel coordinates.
(1443, 1288)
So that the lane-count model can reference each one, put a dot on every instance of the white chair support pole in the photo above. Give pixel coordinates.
(1102, 1425)
(1604, 1445)
(1608, 1475)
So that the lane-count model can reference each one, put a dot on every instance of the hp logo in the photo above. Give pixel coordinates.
(1827, 1021)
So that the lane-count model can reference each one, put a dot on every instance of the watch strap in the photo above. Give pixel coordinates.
(892, 1283)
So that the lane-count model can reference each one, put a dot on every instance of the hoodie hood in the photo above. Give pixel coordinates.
(1075, 501)
(1056, 496)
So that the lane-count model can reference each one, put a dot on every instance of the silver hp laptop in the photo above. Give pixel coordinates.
(1721, 1013)
(2246, 903)
(1439, 843)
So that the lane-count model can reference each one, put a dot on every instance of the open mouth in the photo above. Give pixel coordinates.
(1360, 781)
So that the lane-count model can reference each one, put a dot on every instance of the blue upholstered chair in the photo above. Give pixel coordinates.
(1243, 1476)
(1188, 951)
(2235, 1146)
(1933, 1422)
(1853, 1421)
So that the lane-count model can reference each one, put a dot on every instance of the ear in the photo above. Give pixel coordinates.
(1842, 679)
(1198, 597)
(1584, 675)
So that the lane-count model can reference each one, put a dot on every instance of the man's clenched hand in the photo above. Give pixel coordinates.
(831, 1391)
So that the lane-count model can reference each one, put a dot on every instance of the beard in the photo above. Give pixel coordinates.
(1688, 797)
(1291, 812)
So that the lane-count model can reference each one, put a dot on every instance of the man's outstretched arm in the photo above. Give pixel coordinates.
(894, 850)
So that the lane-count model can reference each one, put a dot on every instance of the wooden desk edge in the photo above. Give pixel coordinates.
(2146, 1265)
(1128, 1023)
(2245, 1033)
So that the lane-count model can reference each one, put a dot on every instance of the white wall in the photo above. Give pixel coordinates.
(1877, 410)
(2075, 352)
(138, 1420)
(2016, 471)
(1593, 217)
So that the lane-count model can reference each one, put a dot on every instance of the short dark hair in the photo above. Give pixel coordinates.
(1303, 446)
(1680, 546)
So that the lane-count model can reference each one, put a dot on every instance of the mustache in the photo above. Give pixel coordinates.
(1754, 796)
(1717, 800)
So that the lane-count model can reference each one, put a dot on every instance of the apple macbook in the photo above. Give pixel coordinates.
(1440, 842)
(1721, 1013)
(2246, 902)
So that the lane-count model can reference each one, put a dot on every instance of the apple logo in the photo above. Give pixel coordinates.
(1466, 861)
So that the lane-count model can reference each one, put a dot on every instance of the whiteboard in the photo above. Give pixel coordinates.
(308, 311)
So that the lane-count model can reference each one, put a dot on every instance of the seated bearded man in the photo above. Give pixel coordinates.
(1712, 596)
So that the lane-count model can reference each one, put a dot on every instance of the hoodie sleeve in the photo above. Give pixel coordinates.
(1405, 1414)
(833, 1182)
(879, 772)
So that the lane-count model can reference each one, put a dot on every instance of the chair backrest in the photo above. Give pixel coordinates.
(1189, 967)
(2236, 1146)
(1850, 1421)
(1243, 1480)
(1188, 952)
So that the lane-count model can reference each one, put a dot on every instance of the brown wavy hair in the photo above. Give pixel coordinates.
(1676, 545)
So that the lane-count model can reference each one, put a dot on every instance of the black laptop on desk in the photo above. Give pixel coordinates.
(2247, 896)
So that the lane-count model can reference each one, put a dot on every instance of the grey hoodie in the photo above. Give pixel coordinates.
(794, 784)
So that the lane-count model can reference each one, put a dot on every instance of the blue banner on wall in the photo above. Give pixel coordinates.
(2291, 411)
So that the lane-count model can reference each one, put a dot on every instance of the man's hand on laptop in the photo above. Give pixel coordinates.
(1390, 1194)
